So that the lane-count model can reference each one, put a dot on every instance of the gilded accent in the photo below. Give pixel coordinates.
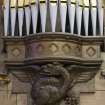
(13, 3)
(32, 1)
(26, 2)
(63, 1)
(101, 3)
(20, 3)
(73, 1)
(4, 2)
(93, 3)
(53, 1)
(42, 1)
(81, 2)
(86, 2)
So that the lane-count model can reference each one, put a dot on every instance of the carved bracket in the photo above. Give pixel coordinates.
(51, 81)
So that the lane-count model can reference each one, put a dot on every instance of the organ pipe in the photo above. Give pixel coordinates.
(43, 13)
(78, 16)
(100, 15)
(63, 11)
(93, 15)
(13, 6)
(27, 15)
(79, 11)
(34, 12)
(20, 15)
(53, 13)
(6, 16)
(86, 16)
(71, 10)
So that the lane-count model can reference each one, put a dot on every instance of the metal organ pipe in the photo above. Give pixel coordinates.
(79, 11)
(13, 8)
(86, 15)
(100, 15)
(79, 16)
(34, 12)
(27, 15)
(71, 10)
(53, 13)
(43, 13)
(93, 15)
(6, 16)
(63, 11)
(20, 16)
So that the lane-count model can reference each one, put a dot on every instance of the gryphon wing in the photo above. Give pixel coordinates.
(26, 74)
(82, 73)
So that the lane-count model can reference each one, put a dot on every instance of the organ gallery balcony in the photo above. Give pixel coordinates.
(53, 30)
(54, 37)
(49, 30)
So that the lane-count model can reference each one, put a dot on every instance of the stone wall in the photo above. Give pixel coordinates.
(7, 98)
(97, 97)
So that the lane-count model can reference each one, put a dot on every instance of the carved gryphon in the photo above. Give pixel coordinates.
(51, 85)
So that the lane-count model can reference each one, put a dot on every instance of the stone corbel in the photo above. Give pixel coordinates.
(25, 75)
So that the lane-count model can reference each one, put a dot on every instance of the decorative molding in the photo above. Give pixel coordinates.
(66, 48)
(91, 51)
(53, 48)
(16, 52)
(40, 48)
